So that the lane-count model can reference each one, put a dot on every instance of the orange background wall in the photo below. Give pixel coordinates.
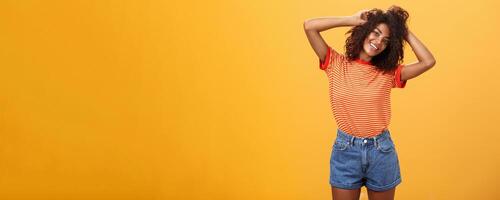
(225, 100)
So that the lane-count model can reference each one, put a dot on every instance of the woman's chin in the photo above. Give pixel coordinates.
(371, 53)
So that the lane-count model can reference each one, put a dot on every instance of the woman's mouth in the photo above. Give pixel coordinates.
(373, 46)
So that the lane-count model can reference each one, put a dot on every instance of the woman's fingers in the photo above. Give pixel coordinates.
(361, 16)
(364, 15)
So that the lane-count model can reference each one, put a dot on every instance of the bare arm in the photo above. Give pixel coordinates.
(425, 58)
(313, 27)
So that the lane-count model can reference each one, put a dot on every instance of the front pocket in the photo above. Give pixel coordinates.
(341, 146)
(385, 145)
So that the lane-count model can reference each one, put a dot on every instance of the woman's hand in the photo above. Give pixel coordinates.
(408, 32)
(360, 17)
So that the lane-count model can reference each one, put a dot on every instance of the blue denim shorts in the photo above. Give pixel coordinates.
(372, 162)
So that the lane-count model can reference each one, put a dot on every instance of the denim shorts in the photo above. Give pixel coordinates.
(372, 162)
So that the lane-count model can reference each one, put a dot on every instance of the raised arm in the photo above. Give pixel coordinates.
(313, 27)
(424, 56)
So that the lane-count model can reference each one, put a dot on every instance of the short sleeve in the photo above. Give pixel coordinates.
(332, 57)
(397, 83)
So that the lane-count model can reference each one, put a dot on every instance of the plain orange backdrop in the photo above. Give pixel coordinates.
(123, 99)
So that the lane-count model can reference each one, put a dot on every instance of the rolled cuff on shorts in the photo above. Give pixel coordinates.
(346, 187)
(384, 188)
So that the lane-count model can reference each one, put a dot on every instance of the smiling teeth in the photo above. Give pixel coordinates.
(373, 46)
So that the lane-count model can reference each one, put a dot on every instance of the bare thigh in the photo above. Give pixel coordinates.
(343, 194)
(385, 195)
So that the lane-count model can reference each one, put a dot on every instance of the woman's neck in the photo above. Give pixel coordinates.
(364, 57)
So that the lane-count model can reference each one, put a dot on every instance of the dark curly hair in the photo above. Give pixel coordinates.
(395, 17)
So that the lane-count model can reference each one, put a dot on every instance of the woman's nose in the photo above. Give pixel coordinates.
(378, 41)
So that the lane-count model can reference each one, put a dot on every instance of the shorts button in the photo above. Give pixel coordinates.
(364, 141)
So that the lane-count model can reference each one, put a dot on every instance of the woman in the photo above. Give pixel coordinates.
(360, 83)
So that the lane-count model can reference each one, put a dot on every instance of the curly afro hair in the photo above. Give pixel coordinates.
(395, 18)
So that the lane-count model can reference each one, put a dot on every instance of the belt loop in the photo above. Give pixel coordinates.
(375, 139)
(352, 139)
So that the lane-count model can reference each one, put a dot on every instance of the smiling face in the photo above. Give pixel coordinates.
(375, 42)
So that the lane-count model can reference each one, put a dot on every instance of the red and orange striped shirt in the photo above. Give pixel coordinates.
(360, 95)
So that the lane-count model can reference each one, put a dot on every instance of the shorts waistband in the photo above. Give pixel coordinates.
(348, 137)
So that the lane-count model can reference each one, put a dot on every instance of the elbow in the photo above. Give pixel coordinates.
(308, 25)
(430, 63)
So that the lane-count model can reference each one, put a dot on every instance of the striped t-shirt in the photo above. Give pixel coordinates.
(360, 95)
